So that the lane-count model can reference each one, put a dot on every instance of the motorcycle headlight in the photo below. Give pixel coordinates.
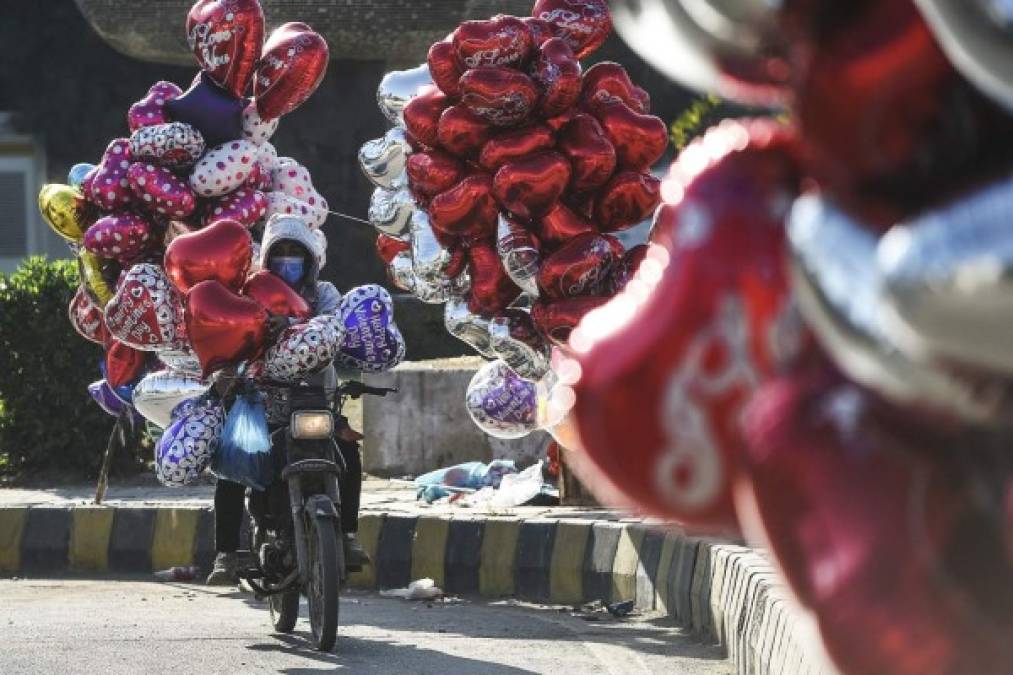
(312, 424)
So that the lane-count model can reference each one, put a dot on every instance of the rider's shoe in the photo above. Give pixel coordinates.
(225, 570)
(355, 556)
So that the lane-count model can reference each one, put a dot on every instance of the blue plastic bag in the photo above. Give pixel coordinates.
(244, 454)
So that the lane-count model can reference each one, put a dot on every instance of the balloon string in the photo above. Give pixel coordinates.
(345, 215)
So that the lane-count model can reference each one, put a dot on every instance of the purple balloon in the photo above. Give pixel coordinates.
(214, 112)
(372, 340)
(501, 402)
(186, 446)
(106, 398)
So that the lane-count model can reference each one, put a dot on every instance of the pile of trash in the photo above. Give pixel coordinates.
(497, 485)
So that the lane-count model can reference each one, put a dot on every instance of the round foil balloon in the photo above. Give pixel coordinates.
(188, 443)
(372, 341)
(158, 393)
(501, 403)
(304, 349)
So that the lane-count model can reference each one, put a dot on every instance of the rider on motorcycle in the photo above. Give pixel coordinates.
(292, 251)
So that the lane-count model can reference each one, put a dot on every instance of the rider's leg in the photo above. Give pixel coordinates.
(351, 492)
(228, 522)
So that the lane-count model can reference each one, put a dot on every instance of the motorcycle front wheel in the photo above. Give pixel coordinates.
(322, 587)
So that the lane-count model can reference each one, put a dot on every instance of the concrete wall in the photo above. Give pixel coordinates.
(425, 426)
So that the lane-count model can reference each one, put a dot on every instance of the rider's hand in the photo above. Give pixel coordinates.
(276, 324)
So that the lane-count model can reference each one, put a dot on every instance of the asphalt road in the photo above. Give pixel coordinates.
(112, 627)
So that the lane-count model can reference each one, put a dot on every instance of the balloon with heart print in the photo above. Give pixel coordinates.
(560, 225)
(398, 87)
(709, 314)
(499, 95)
(122, 236)
(283, 204)
(886, 498)
(592, 155)
(500, 41)
(502, 403)
(607, 81)
(223, 169)
(244, 206)
(223, 328)
(422, 115)
(466, 326)
(304, 349)
(174, 145)
(515, 339)
(390, 211)
(519, 253)
(150, 110)
(462, 132)
(158, 394)
(290, 69)
(146, 312)
(189, 442)
(276, 296)
(109, 188)
(582, 24)
(639, 140)
(514, 144)
(123, 363)
(160, 191)
(220, 251)
(225, 37)
(444, 67)
(582, 266)
(256, 129)
(492, 290)
(558, 74)
(293, 179)
(372, 341)
(383, 160)
(626, 200)
(86, 317)
(466, 210)
(530, 187)
(64, 209)
(432, 172)
(180, 361)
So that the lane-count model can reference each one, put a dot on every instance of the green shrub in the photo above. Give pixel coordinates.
(49, 425)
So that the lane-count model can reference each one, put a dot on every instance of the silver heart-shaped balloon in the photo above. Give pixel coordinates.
(429, 258)
(519, 254)
(401, 272)
(158, 393)
(839, 290)
(948, 281)
(390, 211)
(383, 159)
(397, 88)
(515, 340)
(467, 326)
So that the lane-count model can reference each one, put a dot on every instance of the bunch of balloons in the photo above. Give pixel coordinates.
(163, 229)
(500, 187)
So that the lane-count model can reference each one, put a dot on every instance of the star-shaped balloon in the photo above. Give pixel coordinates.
(216, 113)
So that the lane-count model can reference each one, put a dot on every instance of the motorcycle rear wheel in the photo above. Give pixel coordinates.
(324, 580)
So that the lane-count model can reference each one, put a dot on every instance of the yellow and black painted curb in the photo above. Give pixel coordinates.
(726, 593)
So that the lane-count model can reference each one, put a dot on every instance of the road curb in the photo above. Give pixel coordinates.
(725, 593)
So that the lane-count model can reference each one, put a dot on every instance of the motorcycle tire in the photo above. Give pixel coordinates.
(326, 558)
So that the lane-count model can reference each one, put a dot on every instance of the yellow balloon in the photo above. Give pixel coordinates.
(90, 268)
(63, 208)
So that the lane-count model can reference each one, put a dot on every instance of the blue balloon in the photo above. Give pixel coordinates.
(102, 394)
(124, 392)
(372, 341)
(216, 113)
(77, 173)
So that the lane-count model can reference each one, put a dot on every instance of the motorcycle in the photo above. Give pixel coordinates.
(297, 538)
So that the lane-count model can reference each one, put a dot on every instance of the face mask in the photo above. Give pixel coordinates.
(289, 268)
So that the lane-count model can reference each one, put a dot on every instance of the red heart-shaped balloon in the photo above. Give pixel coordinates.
(160, 191)
(561, 120)
(245, 206)
(608, 81)
(123, 237)
(225, 37)
(221, 251)
(87, 318)
(499, 95)
(667, 369)
(444, 68)
(626, 200)
(639, 140)
(540, 30)
(108, 188)
(514, 144)
(462, 132)
(387, 247)
(290, 69)
(627, 267)
(590, 152)
(556, 319)
(146, 312)
(557, 72)
(467, 210)
(530, 187)
(124, 364)
(422, 116)
(150, 110)
(491, 289)
(276, 296)
(560, 225)
(583, 24)
(433, 172)
(500, 41)
(582, 266)
(872, 522)
(223, 328)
